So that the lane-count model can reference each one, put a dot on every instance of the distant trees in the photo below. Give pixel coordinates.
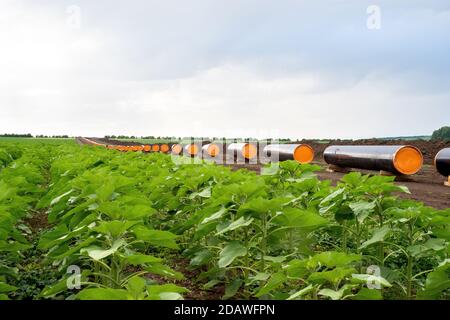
(29, 135)
(16, 135)
(441, 134)
(120, 137)
(138, 137)
(42, 136)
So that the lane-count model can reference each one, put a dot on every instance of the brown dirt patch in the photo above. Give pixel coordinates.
(38, 221)
(196, 292)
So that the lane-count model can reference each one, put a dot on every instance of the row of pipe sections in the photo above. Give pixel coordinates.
(164, 148)
(399, 160)
(301, 153)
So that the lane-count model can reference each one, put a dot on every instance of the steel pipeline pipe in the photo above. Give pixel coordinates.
(212, 150)
(442, 162)
(195, 148)
(243, 150)
(192, 149)
(164, 148)
(301, 153)
(177, 148)
(404, 160)
(155, 147)
(137, 148)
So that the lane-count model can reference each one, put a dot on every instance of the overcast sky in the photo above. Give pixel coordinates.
(300, 69)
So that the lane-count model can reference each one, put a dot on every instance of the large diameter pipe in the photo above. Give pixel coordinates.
(137, 148)
(177, 148)
(442, 162)
(192, 149)
(302, 153)
(403, 160)
(212, 150)
(165, 148)
(241, 150)
(155, 147)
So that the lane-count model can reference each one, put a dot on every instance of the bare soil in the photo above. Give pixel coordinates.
(115, 142)
(38, 221)
(196, 292)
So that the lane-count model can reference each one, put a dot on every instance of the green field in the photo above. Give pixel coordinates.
(91, 223)
(35, 140)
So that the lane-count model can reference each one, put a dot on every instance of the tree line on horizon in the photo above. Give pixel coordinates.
(439, 134)
(29, 135)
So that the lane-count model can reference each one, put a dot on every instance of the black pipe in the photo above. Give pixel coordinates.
(176, 149)
(156, 147)
(442, 162)
(164, 148)
(192, 149)
(242, 150)
(213, 150)
(301, 153)
(401, 160)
